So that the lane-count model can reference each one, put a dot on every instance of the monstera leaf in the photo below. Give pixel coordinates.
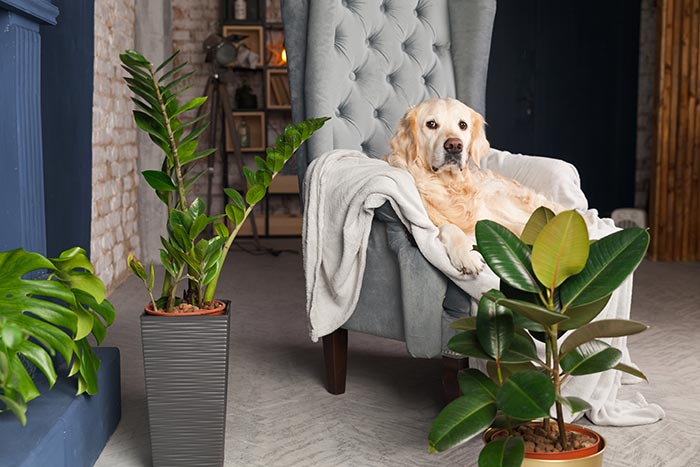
(40, 317)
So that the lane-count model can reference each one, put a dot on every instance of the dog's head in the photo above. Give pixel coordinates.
(440, 135)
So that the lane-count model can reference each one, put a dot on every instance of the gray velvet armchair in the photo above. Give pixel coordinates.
(364, 62)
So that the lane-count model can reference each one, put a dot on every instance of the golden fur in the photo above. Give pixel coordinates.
(441, 143)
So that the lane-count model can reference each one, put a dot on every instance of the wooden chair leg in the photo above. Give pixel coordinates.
(450, 368)
(335, 356)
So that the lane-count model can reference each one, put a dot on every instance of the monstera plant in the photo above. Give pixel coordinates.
(554, 280)
(48, 306)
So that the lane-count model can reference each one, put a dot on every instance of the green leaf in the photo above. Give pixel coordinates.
(192, 104)
(464, 324)
(275, 159)
(522, 349)
(159, 180)
(262, 165)
(526, 395)
(508, 452)
(263, 177)
(235, 197)
(533, 312)
(221, 230)
(611, 260)
(40, 358)
(11, 335)
(506, 255)
(461, 420)
(234, 213)
(249, 176)
(194, 134)
(580, 315)
(561, 249)
(472, 380)
(494, 327)
(136, 267)
(171, 72)
(601, 329)
(535, 224)
(167, 61)
(185, 151)
(255, 193)
(630, 370)
(592, 357)
(19, 408)
(133, 57)
(575, 404)
(507, 369)
(196, 156)
(150, 126)
(467, 343)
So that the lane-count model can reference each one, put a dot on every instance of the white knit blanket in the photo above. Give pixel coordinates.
(341, 190)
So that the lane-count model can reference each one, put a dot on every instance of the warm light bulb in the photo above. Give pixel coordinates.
(284, 56)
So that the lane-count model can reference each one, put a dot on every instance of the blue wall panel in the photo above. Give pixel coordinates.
(67, 57)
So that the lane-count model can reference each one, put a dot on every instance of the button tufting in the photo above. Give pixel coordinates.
(376, 113)
(337, 112)
(382, 8)
(415, 13)
(389, 78)
(422, 79)
(403, 46)
(352, 76)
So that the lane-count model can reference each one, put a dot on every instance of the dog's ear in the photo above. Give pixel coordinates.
(479, 145)
(403, 145)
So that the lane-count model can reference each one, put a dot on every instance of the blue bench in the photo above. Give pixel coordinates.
(64, 430)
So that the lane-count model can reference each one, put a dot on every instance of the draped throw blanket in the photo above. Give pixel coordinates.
(342, 188)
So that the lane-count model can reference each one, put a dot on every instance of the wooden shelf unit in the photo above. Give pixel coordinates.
(268, 38)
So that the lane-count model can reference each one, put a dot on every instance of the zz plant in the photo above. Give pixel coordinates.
(186, 255)
(42, 317)
(553, 280)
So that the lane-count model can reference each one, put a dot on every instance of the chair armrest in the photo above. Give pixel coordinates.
(554, 178)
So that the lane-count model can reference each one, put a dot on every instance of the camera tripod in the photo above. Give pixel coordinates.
(219, 103)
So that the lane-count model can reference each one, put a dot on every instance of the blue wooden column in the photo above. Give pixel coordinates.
(22, 217)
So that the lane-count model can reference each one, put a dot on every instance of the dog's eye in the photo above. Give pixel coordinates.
(463, 125)
(432, 124)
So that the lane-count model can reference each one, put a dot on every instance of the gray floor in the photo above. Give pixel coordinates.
(279, 413)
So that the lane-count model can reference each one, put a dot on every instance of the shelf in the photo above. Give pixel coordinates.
(253, 41)
(285, 225)
(255, 121)
(284, 185)
(247, 228)
(278, 96)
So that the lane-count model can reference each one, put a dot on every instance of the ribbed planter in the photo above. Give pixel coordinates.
(186, 371)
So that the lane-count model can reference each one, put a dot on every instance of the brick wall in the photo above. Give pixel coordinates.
(115, 154)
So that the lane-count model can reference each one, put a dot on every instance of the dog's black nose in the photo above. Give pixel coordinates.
(453, 145)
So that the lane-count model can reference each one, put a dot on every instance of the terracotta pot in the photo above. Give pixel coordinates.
(218, 310)
(586, 457)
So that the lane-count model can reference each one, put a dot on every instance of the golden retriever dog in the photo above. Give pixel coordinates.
(441, 143)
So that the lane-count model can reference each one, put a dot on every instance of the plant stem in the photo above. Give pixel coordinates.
(211, 289)
(171, 141)
(553, 330)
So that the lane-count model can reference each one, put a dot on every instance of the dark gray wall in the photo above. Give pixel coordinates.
(66, 87)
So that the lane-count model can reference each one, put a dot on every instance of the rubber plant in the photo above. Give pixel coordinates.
(553, 280)
(40, 317)
(186, 254)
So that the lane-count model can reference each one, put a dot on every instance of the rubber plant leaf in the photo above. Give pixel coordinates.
(506, 255)
(561, 249)
(494, 327)
(526, 395)
(461, 420)
(592, 357)
(508, 452)
(539, 218)
(612, 259)
(601, 329)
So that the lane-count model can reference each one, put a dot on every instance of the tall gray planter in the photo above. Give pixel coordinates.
(186, 370)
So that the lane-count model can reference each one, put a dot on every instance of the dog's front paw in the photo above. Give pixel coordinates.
(468, 262)
(459, 250)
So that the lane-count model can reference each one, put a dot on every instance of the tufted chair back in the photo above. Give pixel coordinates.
(364, 62)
